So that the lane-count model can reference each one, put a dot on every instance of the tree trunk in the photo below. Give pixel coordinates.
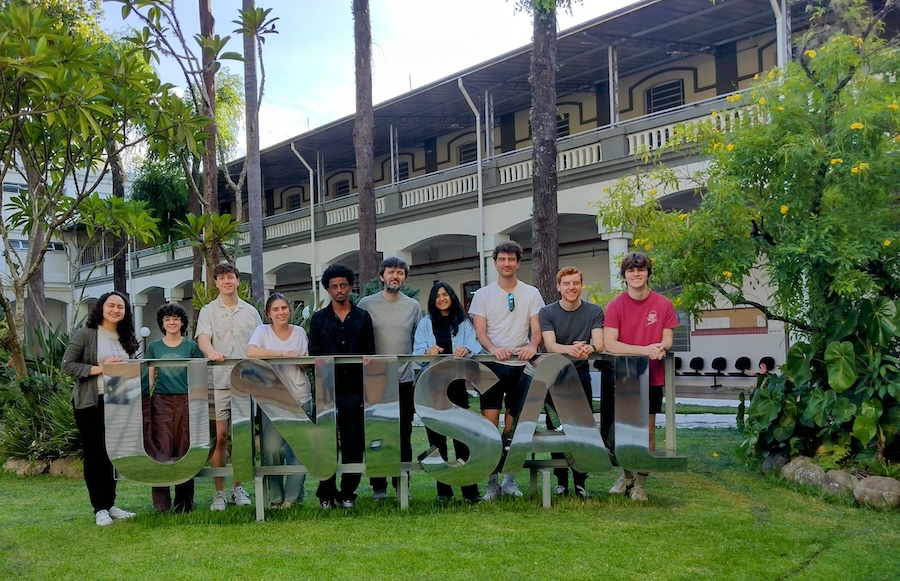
(34, 304)
(545, 223)
(210, 168)
(195, 208)
(254, 178)
(364, 142)
(120, 283)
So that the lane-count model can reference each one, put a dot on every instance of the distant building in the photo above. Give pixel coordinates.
(624, 80)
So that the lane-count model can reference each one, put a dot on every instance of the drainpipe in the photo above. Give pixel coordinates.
(480, 245)
(393, 159)
(312, 229)
(780, 31)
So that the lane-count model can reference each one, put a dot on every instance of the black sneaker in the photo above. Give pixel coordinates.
(474, 499)
(326, 504)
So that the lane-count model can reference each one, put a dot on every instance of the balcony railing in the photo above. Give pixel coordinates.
(565, 160)
(575, 151)
(727, 120)
(350, 213)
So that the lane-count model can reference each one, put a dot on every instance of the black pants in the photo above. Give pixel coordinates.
(350, 418)
(456, 393)
(562, 474)
(98, 470)
(407, 410)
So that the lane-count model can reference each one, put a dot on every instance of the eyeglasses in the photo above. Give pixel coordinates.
(511, 301)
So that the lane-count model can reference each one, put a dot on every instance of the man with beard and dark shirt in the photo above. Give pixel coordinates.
(341, 328)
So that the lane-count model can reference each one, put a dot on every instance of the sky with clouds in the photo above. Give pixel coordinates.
(309, 63)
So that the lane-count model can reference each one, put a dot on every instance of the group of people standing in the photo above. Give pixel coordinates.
(507, 319)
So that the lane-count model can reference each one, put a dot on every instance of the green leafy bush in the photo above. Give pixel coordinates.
(36, 412)
(43, 427)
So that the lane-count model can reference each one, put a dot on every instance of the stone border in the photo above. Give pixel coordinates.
(878, 492)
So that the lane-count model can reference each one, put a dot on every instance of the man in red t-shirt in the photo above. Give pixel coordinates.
(640, 322)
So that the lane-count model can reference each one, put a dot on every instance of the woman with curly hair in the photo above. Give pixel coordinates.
(170, 425)
(107, 337)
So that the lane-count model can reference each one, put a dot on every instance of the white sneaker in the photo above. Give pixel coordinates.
(219, 501)
(639, 493)
(622, 485)
(116, 512)
(239, 496)
(103, 518)
(560, 490)
(510, 488)
(493, 490)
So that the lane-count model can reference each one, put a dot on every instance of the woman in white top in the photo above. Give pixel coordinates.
(281, 339)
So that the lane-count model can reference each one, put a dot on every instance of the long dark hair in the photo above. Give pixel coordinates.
(457, 314)
(125, 327)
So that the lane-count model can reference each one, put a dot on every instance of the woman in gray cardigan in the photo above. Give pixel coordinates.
(107, 337)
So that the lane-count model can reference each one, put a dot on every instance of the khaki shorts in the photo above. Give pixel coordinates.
(221, 404)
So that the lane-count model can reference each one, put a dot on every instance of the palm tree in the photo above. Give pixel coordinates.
(364, 141)
(254, 23)
(545, 221)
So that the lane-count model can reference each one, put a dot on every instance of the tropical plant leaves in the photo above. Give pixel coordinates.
(766, 405)
(865, 426)
(840, 361)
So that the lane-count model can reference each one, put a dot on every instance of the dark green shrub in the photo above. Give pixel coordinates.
(42, 428)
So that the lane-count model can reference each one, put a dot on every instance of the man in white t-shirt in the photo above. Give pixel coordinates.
(505, 315)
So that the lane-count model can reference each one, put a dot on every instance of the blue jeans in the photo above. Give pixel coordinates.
(276, 452)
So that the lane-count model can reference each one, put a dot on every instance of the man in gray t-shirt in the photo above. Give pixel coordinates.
(572, 327)
(394, 318)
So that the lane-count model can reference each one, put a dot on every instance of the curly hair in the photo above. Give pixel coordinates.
(171, 310)
(225, 268)
(125, 327)
(337, 271)
(508, 247)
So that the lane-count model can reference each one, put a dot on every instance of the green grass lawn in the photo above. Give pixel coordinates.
(718, 520)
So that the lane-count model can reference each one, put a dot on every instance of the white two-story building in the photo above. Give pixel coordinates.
(453, 163)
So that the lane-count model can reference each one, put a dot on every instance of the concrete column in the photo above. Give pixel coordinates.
(403, 255)
(173, 295)
(269, 281)
(490, 242)
(618, 247)
(138, 302)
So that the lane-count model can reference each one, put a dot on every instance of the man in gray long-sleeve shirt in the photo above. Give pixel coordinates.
(395, 317)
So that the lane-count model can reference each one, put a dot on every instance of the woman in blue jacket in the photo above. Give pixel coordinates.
(448, 330)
